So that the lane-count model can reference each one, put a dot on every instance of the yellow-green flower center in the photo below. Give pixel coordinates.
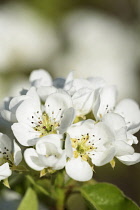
(82, 147)
(46, 125)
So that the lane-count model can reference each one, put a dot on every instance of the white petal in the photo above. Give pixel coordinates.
(129, 109)
(130, 159)
(9, 116)
(79, 170)
(80, 128)
(116, 124)
(61, 162)
(44, 92)
(96, 104)
(108, 97)
(56, 103)
(16, 101)
(76, 85)
(40, 77)
(32, 159)
(131, 139)
(97, 82)
(42, 146)
(5, 141)
(83, 101)
(54, 161)
(103, 157)
(67, 120)
(32, 93)
(46, 148)
(70, 77)
(49, 161)
(25, 135)
(122, 148)
(68, 147)
(101, 134)
(17, 154)
(26, 110)
(5, 171)
(134, 128)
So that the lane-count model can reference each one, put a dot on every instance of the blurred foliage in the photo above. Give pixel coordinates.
(124, 9)
(127, 10)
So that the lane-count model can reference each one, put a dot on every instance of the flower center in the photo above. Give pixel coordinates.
(46, 126)
(6, 156)
(82, 147)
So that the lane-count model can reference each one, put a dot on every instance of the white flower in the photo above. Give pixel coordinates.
(88, 144)
(44, 84)
(40, 77)
(10, 155)
(48, 154)
(105, 101)
(10, 106)
(123, 149)
(130, 111)
(36, 120)
(83, 92)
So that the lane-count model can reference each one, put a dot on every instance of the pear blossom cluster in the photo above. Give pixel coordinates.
(72, 124)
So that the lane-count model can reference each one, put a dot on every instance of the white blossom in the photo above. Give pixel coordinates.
(123, 149)
(130, 111)
(87, 144)
(83, 92)
(10, 155)
(40, 77)
(10, 106)
(69, 123)
(48, 154)
(36, 120)
(105, 101)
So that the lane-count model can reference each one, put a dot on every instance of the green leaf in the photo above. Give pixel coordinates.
(104, 196)
(29, 201)
(75, 201)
